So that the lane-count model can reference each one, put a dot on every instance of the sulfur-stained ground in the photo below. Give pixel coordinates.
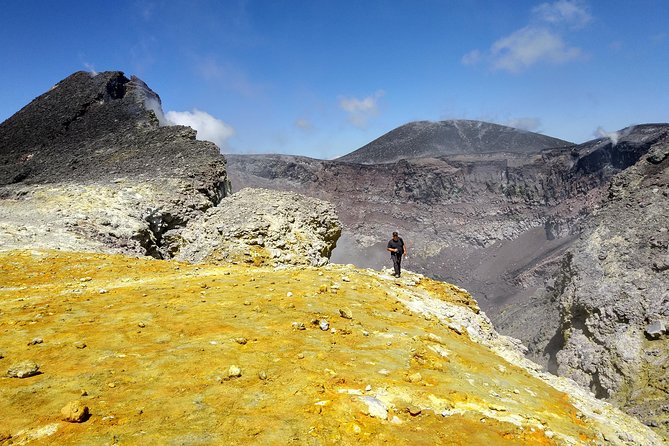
(327, 356)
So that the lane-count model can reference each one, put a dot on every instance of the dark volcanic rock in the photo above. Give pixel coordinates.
(433, 139)
(87, 165)
(100, 128)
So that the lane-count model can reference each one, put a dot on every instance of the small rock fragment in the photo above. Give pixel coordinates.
(346, 313)
(289, 294)
(375, 407)
(345, 279)
(324, 325)
(241, 340)
(141, 324)
(415, 377)
(298, 326)
(656, 329)
(23, 369)
(234, 372)
(36, 341)
(262, 375)
(75, 412)
(414, 410)
(80, 344)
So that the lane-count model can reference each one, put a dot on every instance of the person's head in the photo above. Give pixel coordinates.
(395, 235)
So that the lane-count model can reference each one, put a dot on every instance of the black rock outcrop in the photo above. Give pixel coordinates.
(433, 139)
(100, 128)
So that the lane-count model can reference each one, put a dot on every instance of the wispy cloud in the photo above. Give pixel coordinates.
(229, 76)
(304, 124)
(541, 41)
(528, 46)
(570, 12)
(361, 110)
(91, 69)
(208, 127)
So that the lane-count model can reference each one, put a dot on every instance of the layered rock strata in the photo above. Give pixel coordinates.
(614, 296)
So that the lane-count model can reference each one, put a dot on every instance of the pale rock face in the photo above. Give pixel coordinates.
(261, 227)
(616, 299)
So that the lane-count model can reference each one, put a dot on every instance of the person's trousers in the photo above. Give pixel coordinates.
(397, 263)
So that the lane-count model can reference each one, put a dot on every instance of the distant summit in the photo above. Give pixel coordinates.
(424, 139)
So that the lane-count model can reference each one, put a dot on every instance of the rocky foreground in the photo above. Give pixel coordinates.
(109, 349)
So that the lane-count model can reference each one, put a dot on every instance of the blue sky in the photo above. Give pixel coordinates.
(322, 78)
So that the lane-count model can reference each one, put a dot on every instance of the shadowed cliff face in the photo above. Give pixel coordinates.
(165, 353)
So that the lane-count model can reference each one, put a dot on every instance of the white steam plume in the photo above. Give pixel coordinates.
(613, 136)
(208, 127)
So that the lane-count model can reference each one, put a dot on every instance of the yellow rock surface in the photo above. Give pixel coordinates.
(173, 353)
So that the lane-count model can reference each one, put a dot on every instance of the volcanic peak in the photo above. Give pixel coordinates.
(424, 139)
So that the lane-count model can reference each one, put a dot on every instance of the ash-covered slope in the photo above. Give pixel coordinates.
(433, 139)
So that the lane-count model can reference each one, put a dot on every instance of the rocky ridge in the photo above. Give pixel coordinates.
(91, 157)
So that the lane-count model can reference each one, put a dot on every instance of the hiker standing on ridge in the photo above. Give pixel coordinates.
(397, 249)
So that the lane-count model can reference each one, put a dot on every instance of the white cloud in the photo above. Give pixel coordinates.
(570, 12)
(528, 46)
(541, 41)
(361, 110)
(208, 127)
